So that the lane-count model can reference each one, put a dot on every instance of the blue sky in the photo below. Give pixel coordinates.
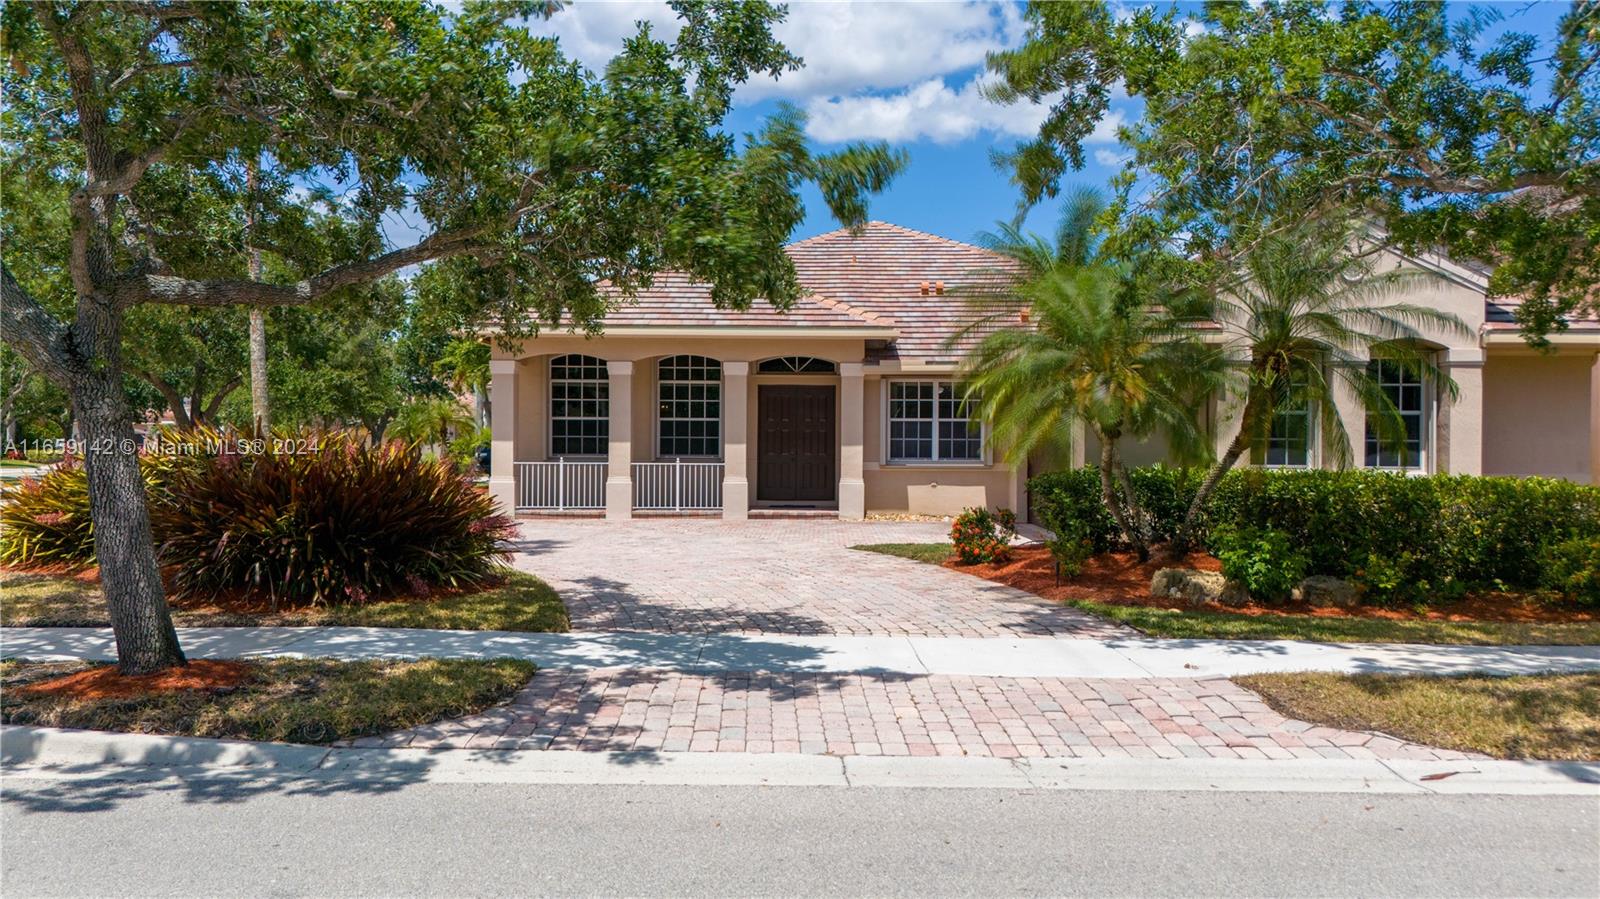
(906, 73)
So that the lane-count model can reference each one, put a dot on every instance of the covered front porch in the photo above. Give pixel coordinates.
(674, 427)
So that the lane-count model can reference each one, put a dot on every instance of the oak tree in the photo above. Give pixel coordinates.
(536, 176)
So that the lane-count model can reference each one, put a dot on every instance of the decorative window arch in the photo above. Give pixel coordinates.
(580, 406)
(689, 412)
(795, 365)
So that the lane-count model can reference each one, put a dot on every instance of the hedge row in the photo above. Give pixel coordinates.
(1402, 537)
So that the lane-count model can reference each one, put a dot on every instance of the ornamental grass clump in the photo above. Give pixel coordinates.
(44, 522)
(337, 522)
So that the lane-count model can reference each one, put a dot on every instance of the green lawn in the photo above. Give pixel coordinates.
(19, 463)
(1200, 624)
(1533, 717)
(933, 553)
(1223, 626)
(521, 602)
(286, 700)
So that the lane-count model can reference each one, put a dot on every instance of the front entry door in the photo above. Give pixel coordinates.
(795, 444)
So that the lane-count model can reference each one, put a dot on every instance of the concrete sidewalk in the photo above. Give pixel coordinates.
(713, 653)
(53, 754)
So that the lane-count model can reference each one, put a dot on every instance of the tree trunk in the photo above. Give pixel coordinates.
(1183, 540)
(123, 546)
(1108, 493)
(260, 406)
(1135, 512)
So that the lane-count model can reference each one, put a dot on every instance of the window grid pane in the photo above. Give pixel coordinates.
(929, 421)
(580, 406)
(1405, 390)
(1289, 440)
(689, 411)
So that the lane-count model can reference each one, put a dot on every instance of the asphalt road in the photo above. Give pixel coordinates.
(251, 837)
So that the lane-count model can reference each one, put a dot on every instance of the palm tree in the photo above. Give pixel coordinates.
(1302, 315)
(1095, 343)
(428, 421)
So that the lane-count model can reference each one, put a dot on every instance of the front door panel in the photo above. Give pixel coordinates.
(795, 445)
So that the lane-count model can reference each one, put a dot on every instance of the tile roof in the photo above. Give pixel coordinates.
(875, 278)
(883, 268)
(674, 299)
(870, 279)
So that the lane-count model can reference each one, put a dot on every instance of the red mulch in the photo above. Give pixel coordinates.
(88, 575)
(1120, 579)
(105, 682)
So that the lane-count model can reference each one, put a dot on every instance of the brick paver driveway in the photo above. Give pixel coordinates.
(908, 715)
(775, 577)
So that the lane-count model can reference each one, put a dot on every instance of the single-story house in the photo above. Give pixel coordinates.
(847, 402)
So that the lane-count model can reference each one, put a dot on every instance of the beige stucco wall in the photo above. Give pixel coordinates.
(1539, 414)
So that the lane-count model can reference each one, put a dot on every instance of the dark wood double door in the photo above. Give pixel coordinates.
(795, 444)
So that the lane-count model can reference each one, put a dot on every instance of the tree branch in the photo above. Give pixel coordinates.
(170, 289)
(180, 415)
(212, 407)
(34, 333)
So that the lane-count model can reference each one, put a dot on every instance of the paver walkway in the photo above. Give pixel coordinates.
(794, 576)
(843, 714)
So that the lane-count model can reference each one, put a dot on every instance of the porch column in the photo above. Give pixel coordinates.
(619, 458)
(1459, 437)
(735, 440)
(852, 430)
(503, 428)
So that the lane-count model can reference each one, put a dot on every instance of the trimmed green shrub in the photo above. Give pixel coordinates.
(45, 521)
(1063, 500)
(344, 522)
(978, 535)
(1571, 567)
(1071, 547)
(1262, 559)
(1403, 538)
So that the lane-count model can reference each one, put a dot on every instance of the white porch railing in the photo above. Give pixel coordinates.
(677, 485)
(560, 485)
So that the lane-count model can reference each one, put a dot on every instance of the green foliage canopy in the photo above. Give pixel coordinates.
(1409, 113)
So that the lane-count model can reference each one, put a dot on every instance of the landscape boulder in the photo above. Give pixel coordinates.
(1196, 587)
(1326, 592)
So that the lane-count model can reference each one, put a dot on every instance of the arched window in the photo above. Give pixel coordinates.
(580, 406)
(690, 411)
(795, 365)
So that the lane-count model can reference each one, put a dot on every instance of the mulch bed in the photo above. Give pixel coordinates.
(1121, 579)
(105, 682)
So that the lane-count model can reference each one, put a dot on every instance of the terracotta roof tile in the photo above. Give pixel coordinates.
(674, 299)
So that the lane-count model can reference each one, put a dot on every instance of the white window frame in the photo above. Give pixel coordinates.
(604, 399)
(1426, 414)
(721, 408)
(1311, 439)
(935, 460)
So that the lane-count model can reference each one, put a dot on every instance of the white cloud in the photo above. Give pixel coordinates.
(1110, 158)
(933, 111)
(593, 32)
(851, 47)
(873, 70)
(847, 46)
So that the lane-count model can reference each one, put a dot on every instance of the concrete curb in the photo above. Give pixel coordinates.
(1122, 657)
(53, 754)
